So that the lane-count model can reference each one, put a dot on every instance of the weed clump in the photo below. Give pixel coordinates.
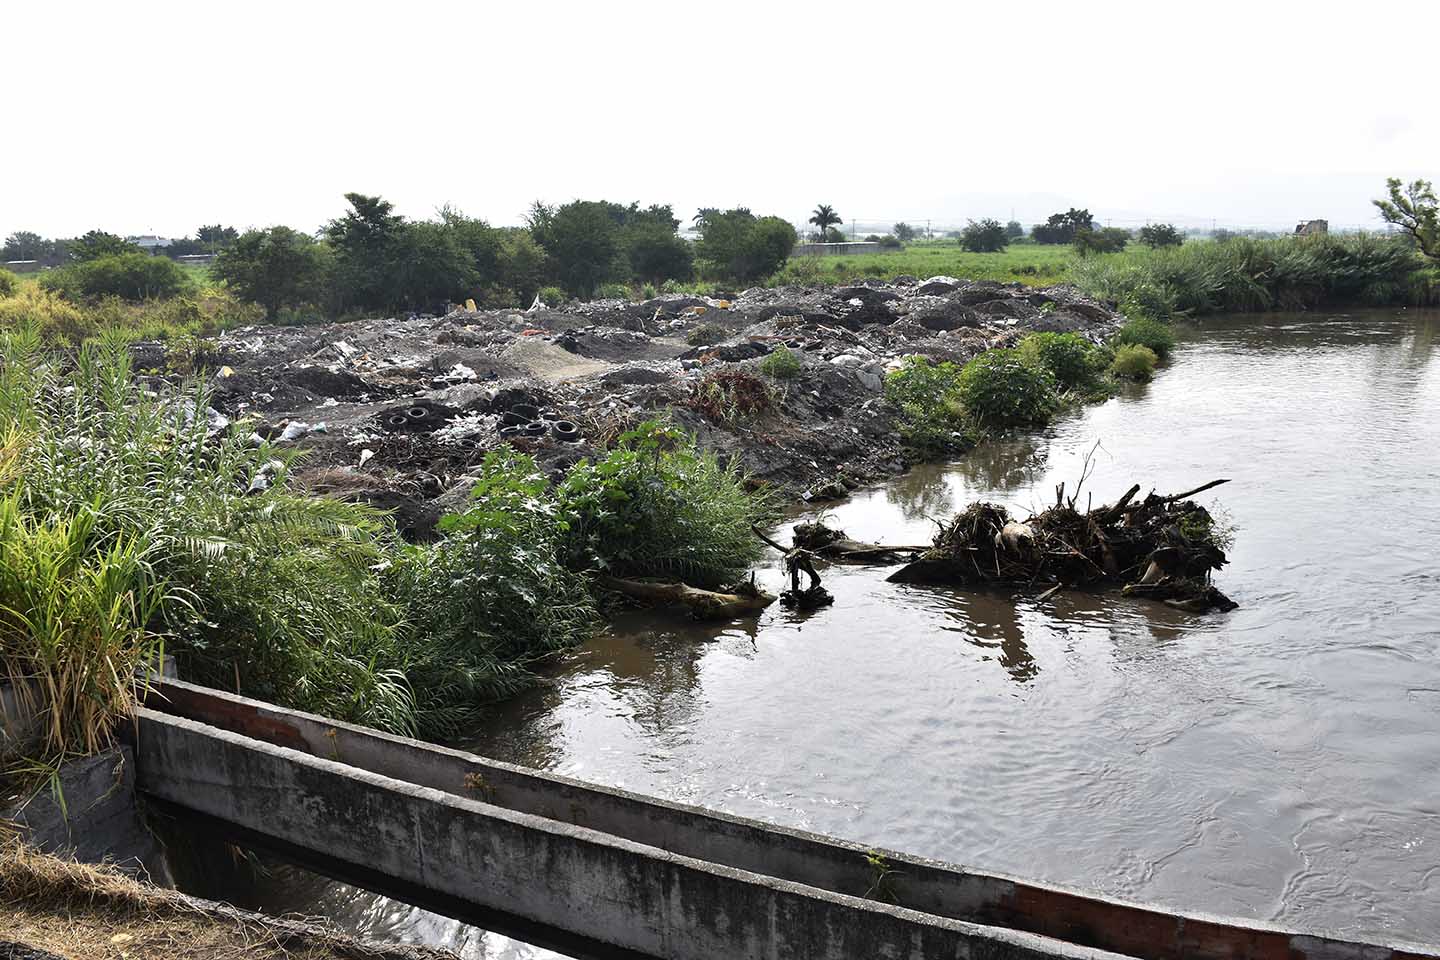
(1069, 358)
(1000, 389)
(1142, 331)
(781, 364)
(9, 283)
(657, 507)
(705, 334)
(1134, 361)
(932, 417)
(552, 296)
(729, 396)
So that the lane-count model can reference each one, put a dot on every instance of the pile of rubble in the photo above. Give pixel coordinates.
(399, 411)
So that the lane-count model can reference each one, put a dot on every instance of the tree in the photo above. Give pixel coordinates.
(1062, 227)
(522, 266)
(1104, 240)
(1013, 230)
(986, 236)
(657, 254)
(583, 241)
(833, 235)
(276, 268)
(1156, 235)
(365, 241)
(1413, 208)
(904, 232)
(98, 243)
(738, 245)
(824, 218)
(23, 245)
(431, 268)
(214, 237)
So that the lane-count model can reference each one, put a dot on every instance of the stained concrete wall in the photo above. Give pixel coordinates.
(616, 891)
(834, 865)
(93, 817)
(836, 249)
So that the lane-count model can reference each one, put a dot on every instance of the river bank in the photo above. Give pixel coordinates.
(1271, 763)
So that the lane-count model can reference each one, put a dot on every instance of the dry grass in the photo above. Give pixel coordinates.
(83, 912)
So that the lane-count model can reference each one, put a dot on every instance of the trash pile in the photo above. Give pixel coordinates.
(1164, 548)
(400, 411)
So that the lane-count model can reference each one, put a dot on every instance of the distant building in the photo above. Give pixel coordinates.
(201, 258)
(150, 244)
(22, 266)
(1310, 228)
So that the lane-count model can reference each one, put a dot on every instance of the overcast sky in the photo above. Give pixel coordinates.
(156, 117)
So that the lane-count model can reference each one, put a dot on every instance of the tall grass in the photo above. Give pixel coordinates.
(1246, 274)
(64, 322)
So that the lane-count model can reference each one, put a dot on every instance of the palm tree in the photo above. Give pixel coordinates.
(825, 217)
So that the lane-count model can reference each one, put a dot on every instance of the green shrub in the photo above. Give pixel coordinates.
(1068, 357)
(999, 388)
(657, 507)
(1134, 362)
(613, 291)
(9, 283)
(552, 296)
(781, 363)
(648, 291)
(1147, 333)
(931, 417)
(129, 276)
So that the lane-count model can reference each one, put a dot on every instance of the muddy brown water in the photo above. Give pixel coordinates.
(1280, 762)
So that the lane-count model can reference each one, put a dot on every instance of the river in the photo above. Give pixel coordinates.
(1279, 762)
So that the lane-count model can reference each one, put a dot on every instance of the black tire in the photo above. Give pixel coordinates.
(511, 431)
(527, 410)
(418, 413)
(512, 419)
(566, 430)
(397, 420)
(536, 428)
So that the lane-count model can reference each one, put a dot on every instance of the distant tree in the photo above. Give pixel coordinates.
(824, 218)
(1104, 240)
(1413, 208)
(737, 245)
(834, 235)
(214, 237)
(1013, 230)
(1062, 227)
(522, 266)
(431, 268)
(275, 268)
(1221, 235)
(583, 241)
(24, 245)
(1157, 235)
(891, 242)
(657, 254)
(904, 232)
(984, 236)
(365, 241)
(98, 243)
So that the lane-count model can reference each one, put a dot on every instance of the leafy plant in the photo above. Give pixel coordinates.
(1134, 362)
(729, 396)
(999, 388)
(9, 284)
(931, 416)
(613, 291)
(781, 364)
(552, 296)
(657, 507)
(1068, 357)
(1145, 332)
(129, 276)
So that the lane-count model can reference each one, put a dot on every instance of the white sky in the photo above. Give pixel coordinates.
(142, 117)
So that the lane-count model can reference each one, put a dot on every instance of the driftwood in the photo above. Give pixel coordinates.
(746, 600)
(1138, 545)
(833, 545)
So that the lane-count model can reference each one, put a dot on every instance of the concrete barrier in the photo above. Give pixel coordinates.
(836, 866)
(613, 890)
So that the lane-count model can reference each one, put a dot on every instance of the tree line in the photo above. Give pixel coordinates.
(371, 258)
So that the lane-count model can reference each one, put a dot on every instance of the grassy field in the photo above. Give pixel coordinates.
(1027, 263)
